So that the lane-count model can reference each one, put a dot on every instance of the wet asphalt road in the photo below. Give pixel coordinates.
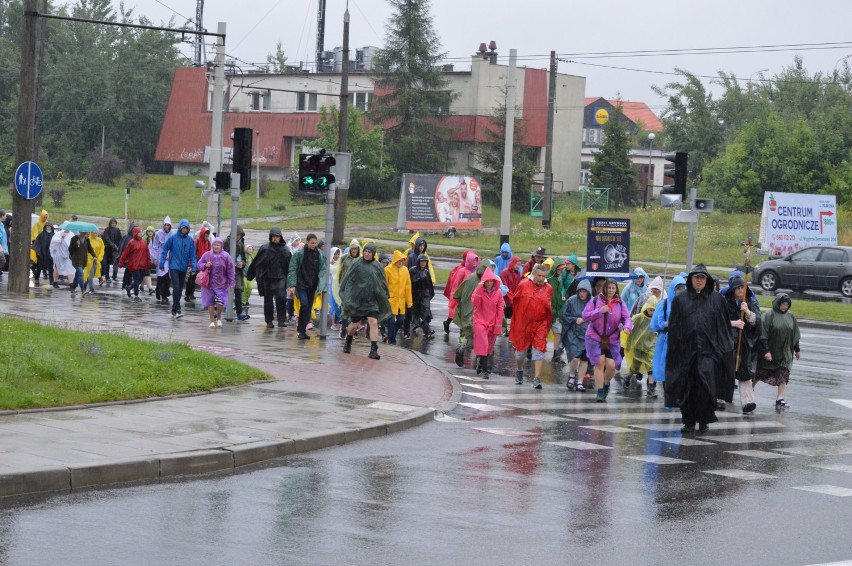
(511, 476)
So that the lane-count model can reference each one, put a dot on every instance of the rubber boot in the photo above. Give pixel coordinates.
(486, 366)
(347, 346)
(374, 351)
(477, 363)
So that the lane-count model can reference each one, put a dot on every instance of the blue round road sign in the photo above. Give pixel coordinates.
(28, 180)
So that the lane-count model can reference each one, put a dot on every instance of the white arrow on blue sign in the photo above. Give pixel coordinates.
(28, 180)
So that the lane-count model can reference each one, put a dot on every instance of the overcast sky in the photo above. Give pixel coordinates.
(535, 27)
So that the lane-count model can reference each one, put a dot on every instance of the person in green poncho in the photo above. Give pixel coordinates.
(364, 292)
(779, 343)
(464, 311)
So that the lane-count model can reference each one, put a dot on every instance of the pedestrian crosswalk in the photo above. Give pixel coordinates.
(643, 430)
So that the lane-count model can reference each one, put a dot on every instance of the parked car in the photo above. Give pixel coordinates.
(817, 268)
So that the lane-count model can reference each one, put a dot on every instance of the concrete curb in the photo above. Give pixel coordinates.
(194, 463)
(825, 325)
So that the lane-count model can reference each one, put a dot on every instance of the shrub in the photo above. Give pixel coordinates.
(58, 196)
(104, 168)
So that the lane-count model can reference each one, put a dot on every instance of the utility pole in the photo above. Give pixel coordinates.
(321, 33)
(508, 150)
(546, 212)
(339, 198)
(199, 26)
(19, 253)
(218, 102)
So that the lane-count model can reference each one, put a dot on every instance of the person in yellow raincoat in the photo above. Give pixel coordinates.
(37, 229)
(399, 293)
(640, 346)
(92, 271)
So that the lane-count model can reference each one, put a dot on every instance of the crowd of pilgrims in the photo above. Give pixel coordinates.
(722, 341)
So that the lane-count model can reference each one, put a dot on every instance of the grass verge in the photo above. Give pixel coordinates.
(54, 367)
(815, 310)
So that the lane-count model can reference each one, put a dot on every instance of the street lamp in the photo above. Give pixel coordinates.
(649, 180)
(257, 159)
(753, 74)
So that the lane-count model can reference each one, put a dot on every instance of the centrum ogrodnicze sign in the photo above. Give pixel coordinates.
(608, 247)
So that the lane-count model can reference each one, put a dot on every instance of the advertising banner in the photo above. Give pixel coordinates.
(792, 221)
(608, 247)
(436, 202)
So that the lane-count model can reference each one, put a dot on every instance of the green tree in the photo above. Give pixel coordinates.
(612, 167)
(691, 121)
(276, 62)
(413, 97)
(490, 159)
(369, 176)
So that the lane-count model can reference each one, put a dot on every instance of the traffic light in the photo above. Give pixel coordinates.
(315, 171)
(678, 173)
(242, 156)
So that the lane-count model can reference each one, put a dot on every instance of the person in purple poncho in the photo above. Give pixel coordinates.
(215, 295)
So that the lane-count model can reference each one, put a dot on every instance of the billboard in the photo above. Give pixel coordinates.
(792, 221)
(608, 247)
(436, 202)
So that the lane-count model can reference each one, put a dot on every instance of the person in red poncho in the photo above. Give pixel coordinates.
(531, 323)
(511, 278)
(449, 290)
(136, 260)
(487, 319)
(471, 262)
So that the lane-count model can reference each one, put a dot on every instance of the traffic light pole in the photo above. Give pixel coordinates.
(235, 211)
(693, 226)
(329, 231)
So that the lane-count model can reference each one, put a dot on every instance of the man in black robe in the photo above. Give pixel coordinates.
(700, 355)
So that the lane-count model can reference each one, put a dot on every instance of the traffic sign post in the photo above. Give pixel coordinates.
(28, 180)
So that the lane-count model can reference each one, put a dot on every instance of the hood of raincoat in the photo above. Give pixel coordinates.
(184, 223)
(657, 283)
(420, 242)
(137, 232)
(221, 241)
(167, 220)
(372, 247)
(275, 232)
(651, 303)
(355, 244)
(42, 217)
(678, 280)
(584, 285)
(488, 275)
(397, 256)
(513, 263)
(639, 272)
(365, 241)
(709, 288)
(781, 298)
(574, 260)
(334, 250)
(505, 247)
(481, 269)
(412, 241)
(48, 227)
(471, 261)
(111, 220)
(422, 257)
(549, 264)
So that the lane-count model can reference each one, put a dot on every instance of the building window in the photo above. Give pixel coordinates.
(363, 101)
(306, 102)
(260, 101)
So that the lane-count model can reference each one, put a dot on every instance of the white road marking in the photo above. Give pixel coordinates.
(640, 416)
(544, 418)
(798, 365)
(835, 467)
(609, 428)
(581, 406)
(484, 407)
(515, 396)
(396, 408)
(579, 445)
(779, 437)
(832, 450)
(507, 432)
(845, 402)
(683, 441)
(654, 459)
(758, 454)
(740, 474)
(664, 427)
(827, 490)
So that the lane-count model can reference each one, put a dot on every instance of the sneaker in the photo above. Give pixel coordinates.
(519, 377)
(303, 336)
(335, 327)
(721, 405)
(571, 384)
(536, 383)
(243, 316)
(55, 285)
(781, 404)
(347, 345)
(606, 391)
(213, 324)
(180, 315)
(749, 407)
(626, 382)
(600, 397)
(270, 325)
(137, 300)
(688, 429)
(428, 335)
(218, 323)
(703, 429)
(652, 390)
(310, 326)
(128, 292)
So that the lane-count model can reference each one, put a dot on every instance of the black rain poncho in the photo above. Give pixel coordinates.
(364, 289)
(700, 356)
(750, 334)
